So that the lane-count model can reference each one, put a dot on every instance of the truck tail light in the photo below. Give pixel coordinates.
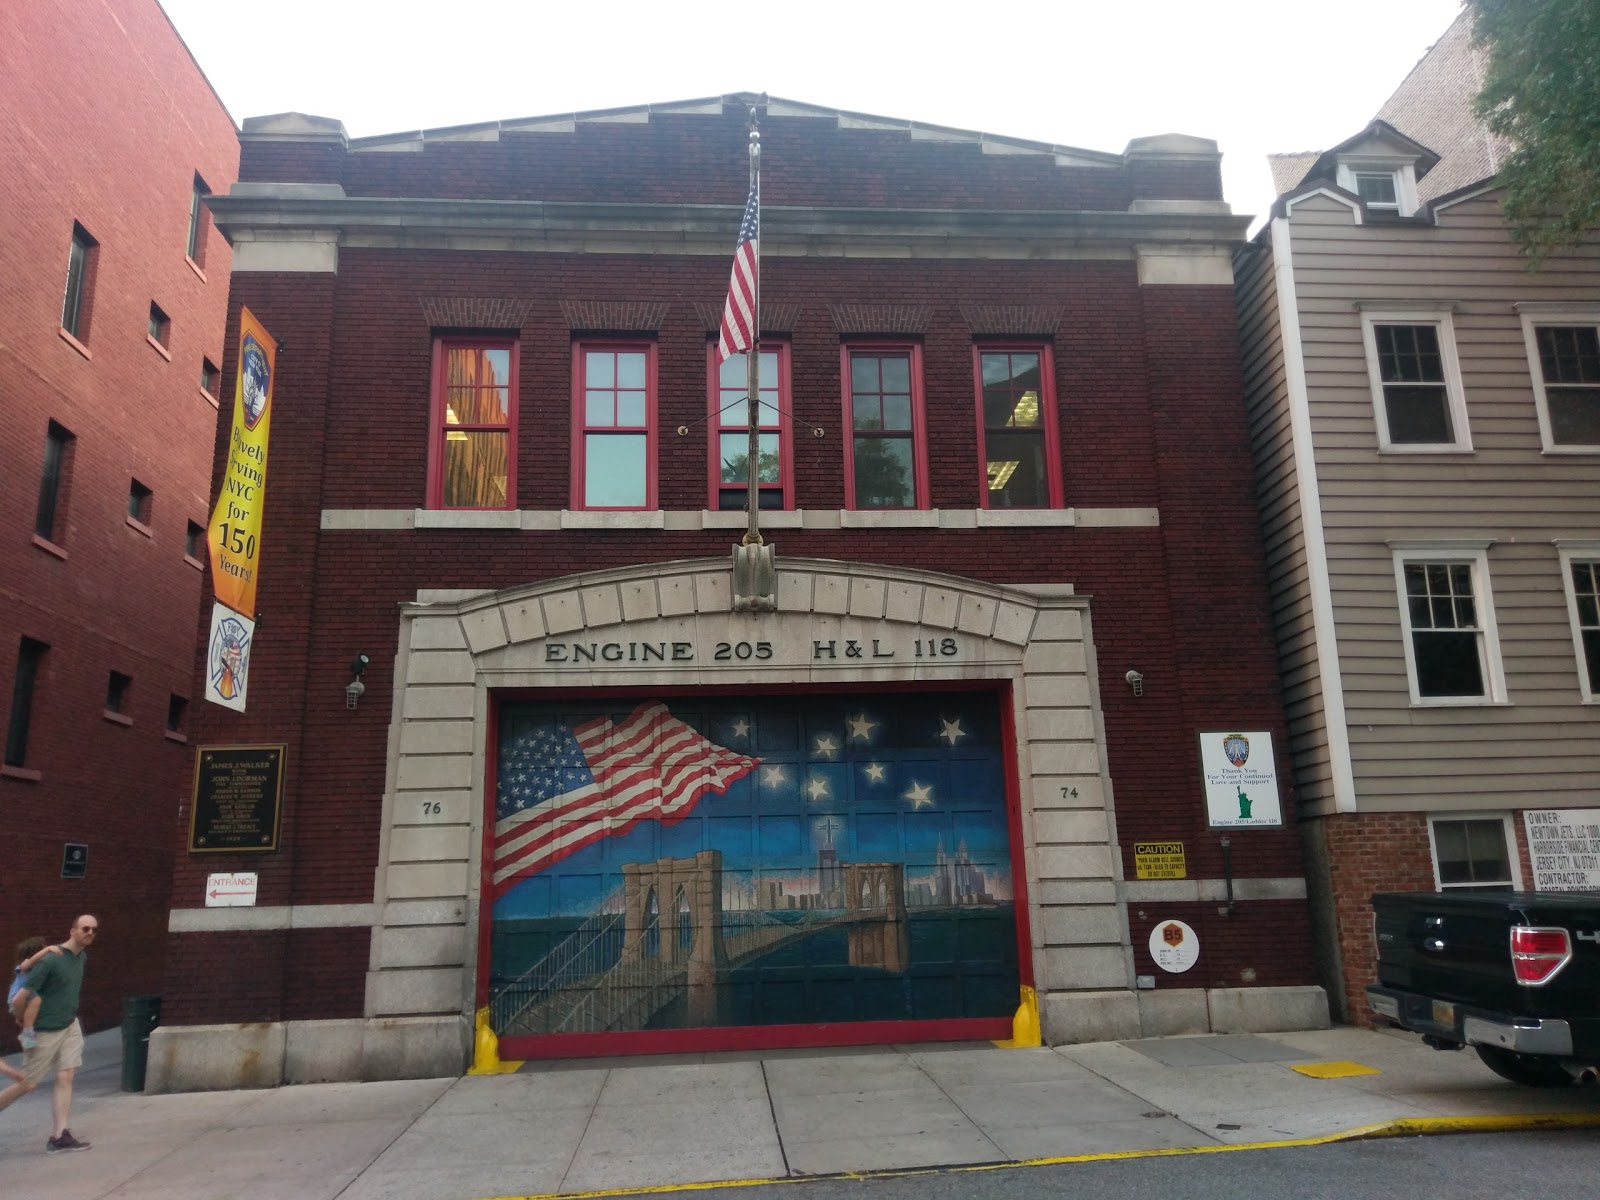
(1537, 955)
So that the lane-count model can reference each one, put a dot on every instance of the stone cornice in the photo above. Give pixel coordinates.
(265, 213)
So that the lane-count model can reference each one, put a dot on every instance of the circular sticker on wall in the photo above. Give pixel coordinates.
(1174, 946)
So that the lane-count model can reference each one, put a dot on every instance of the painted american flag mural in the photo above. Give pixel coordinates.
(562, 788)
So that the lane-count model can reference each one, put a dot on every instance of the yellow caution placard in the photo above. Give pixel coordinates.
(1159, 860)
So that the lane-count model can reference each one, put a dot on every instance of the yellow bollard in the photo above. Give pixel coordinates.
(486, 1049)
(1024, 1024)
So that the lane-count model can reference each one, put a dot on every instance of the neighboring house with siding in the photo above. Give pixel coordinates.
(1426, 421)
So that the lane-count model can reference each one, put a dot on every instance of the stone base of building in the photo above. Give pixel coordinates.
(196, 1058)
(1110, 1016)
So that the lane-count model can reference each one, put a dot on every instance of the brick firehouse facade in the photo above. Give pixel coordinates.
(591, 798)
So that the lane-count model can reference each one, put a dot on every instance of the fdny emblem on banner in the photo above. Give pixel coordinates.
(256, 378)
(1237, 747)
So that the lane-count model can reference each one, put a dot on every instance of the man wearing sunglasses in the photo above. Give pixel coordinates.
(56, 980)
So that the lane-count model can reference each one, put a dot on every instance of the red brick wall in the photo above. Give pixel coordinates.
(119, 157)
(686, 159)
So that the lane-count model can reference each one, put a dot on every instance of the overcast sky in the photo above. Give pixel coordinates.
(1255, 75)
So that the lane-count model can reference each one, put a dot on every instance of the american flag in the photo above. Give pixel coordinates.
(739, 313)
(561, 789)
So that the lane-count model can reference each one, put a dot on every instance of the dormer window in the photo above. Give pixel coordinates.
(1385, 185)
(1378, 190)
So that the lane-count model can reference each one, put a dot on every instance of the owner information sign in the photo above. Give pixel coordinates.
(1564, 844)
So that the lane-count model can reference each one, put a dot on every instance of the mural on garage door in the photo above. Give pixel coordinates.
(750, 861)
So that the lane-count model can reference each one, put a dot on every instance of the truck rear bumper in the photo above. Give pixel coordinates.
(1471, 1026)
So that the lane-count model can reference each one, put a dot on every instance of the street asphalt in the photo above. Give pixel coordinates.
(663, 1123)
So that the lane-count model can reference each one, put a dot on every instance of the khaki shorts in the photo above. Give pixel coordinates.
(58, 1050)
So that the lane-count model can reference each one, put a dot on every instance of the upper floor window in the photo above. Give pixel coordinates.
(141, 503)
(209, 377)
(159, 328)
(117, 687)
(472, 458)
(1017, 427)
(1378, 189)
(1564, 358)
(730, 430)
(195, 246)
(176, 707)
(80, 279)
(1416, 382)
(1582, 569)
(1447, 615)
(29, 658)
(886, 457)
(48, 517)
(1384, 184)
(614, 427)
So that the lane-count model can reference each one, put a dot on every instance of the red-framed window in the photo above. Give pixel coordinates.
(728, 387)
(1018, 446)
(886, 454)
(473, 456)
(614, 424)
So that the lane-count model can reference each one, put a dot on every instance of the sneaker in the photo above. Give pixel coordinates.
(65, 1142)
(28, 1038)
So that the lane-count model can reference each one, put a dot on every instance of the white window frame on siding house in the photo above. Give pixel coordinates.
(1403, 170)
(1579, 552)
(1533, 316)
(1513, 856)
(1474, 555)
(1455, 393)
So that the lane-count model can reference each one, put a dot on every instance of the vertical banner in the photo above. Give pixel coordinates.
(228, 657)
(235, 532)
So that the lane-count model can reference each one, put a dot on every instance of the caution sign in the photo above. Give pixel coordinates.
(1159, 860)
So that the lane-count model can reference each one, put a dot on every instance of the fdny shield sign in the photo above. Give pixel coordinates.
(1237, 748)
(1241, 779)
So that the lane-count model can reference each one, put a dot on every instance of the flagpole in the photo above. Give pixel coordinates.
(752, 534)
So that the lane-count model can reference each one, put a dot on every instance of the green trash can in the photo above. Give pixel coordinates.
(140, 1014)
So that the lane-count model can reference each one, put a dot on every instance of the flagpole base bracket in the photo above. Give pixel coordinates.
(755, 578)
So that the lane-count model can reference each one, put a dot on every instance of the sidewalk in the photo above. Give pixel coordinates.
(573, 1127)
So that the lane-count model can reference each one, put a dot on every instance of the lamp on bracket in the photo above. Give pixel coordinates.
(355, 689)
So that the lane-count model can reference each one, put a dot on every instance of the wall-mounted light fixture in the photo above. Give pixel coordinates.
(1136, 682)
(355, 689)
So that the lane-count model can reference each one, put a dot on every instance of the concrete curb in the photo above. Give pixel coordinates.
(1404, 1127)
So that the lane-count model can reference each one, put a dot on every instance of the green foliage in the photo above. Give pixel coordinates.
(1542, 92)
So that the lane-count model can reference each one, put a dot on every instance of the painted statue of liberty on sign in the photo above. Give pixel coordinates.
(751, 861)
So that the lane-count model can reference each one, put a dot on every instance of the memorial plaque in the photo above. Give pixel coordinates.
(238, 797)
(74, 860)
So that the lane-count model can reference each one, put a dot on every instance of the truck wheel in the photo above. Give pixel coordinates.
(1531, 1070)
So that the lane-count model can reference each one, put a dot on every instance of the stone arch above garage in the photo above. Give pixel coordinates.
(836, 623)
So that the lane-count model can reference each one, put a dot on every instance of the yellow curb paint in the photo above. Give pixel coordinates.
(1335, 1070)
(1403, 1127)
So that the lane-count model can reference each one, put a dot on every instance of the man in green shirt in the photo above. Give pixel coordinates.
(56, 980)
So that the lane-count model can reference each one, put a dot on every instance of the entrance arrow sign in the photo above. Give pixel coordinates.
(232, 890)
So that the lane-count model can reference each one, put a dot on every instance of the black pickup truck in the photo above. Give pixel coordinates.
(1514, 975)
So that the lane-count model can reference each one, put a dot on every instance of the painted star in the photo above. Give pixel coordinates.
(826, 746)
(862, 727)
(952, 731)
(874, 772)
(773, 776)
(817, 789)
(741, 728)
(920, 795)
